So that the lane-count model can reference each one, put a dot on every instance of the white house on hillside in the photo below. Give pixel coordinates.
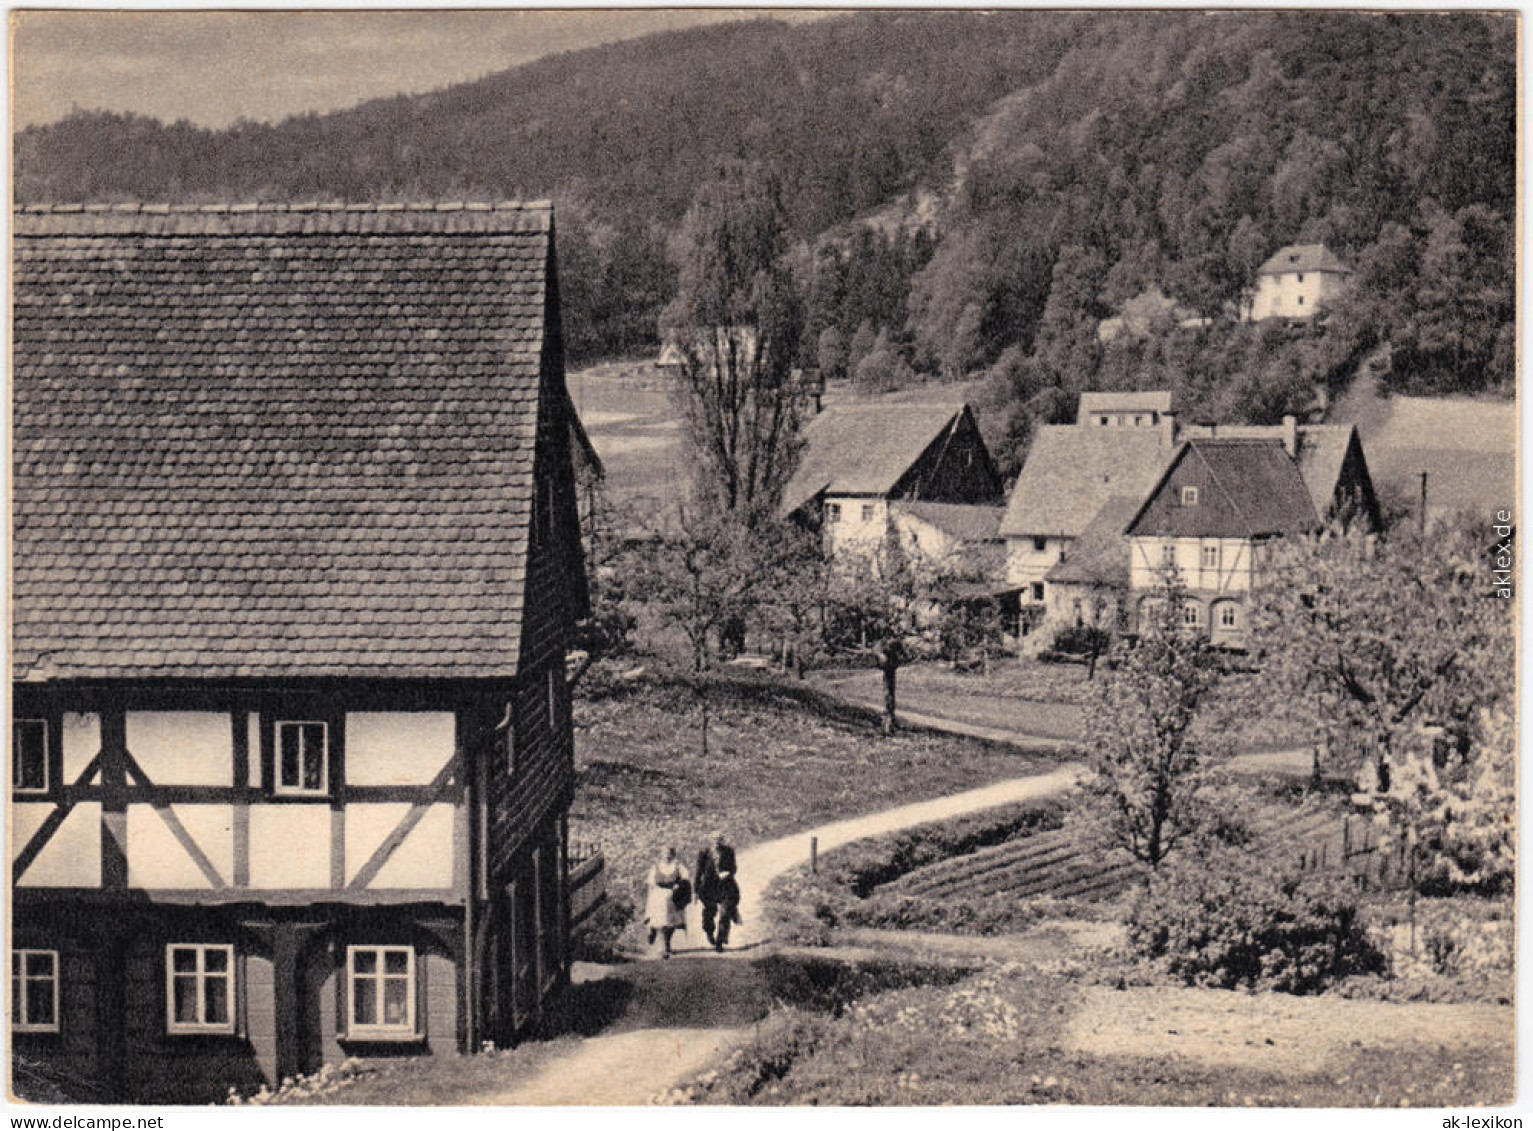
(1296, 281)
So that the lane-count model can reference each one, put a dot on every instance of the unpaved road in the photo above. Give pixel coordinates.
(683, 1014)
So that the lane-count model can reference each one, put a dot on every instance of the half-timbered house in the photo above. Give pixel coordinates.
(295, 556)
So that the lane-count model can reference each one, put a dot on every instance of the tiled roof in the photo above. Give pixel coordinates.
(968, 522)
(1100, 556)
(1071, 472)
(1151, 400)
(1303, 257)
(864, 449)
(1256, 490)
(274, 441)
(1322, 452)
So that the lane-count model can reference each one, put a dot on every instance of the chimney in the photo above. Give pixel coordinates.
(1168, 429)
(1291, 436)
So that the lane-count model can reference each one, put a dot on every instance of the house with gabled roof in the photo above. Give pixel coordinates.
(863, 466)
(1073, 471)
(1065, 519)
(1213, 518)
(296, 559)
(1296, 282)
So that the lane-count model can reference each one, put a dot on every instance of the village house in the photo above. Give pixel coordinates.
(296, 557)
(867, 466)
(1117, 447)
(1081, 485)
(1213, 519)
(1296, 281)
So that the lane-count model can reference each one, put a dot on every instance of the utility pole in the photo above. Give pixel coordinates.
(1423, 516)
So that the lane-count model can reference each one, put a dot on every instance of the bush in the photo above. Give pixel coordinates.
(1226, 921)
(1081, 640)
(599, 939)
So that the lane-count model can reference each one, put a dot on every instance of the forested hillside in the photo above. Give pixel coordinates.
(972, 192)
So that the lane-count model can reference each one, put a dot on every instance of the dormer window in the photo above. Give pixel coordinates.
(1189, 496)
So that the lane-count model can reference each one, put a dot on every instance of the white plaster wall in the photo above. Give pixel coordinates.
(852, 530)
(916, 533)
(82, 742)
(422, 860)
(156, 858)
(397, 747)
(1025, 565)
(72, 856)
(1277, 296)
(1233, 576)
(182, 747)
(290, 846)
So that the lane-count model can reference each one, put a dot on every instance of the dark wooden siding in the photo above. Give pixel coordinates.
(957, 468)
(537, 778)
(1354, 488)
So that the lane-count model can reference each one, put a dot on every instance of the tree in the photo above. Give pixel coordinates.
(1404, 659)
(737, 322)
(1376, 638)
(887, 602)
(1150, 769)
(795, 593)
(697, 580)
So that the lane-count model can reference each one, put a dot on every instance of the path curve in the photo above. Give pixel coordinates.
(632, 1067)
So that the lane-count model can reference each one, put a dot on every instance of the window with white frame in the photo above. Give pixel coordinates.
(34, 991)
(1211, 556)
(381, 987)
(1168, 554)
(1189, 496)
(29, 756)
(1192, 614)
(833, 512)
(302, 758)
(1228, 618)
(199, 983)
(867, 512)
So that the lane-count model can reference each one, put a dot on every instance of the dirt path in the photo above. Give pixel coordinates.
(1276, 1032)
(1294, 763)
(683, 1014)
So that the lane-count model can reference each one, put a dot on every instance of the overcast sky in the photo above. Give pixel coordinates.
(214, 67)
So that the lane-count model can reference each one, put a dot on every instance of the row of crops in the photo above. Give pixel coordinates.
(1068, 863)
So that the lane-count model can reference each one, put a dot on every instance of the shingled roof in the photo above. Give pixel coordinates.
(1256, 490)
(1071, 472)
(1303, 257)
(864, 449)
(265, 441)
(1100, 556)
(967, 522)
(1322, 452)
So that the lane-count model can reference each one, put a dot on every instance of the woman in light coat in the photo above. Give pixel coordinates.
(668, 891)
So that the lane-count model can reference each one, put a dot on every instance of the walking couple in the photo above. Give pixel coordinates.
(670, 889)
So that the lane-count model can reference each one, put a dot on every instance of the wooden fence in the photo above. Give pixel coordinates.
(1353, 848)
(587, 883)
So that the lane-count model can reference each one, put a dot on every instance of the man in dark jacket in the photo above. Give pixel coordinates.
(717, 890)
